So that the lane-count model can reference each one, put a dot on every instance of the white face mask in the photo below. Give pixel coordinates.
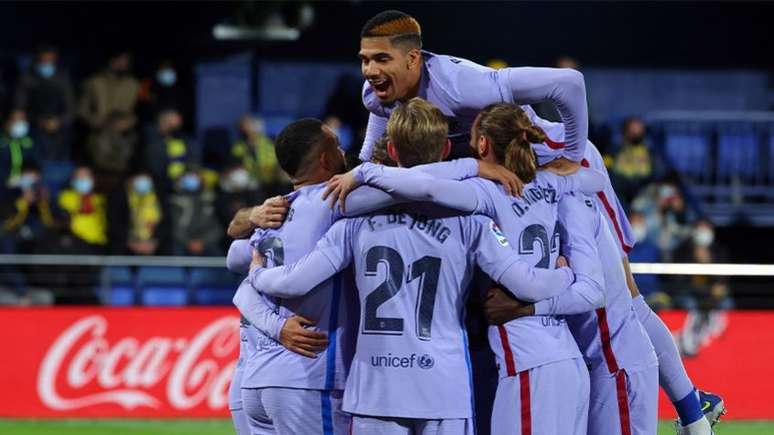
(640, 232)
(703, 237)
(239, 178)
(19, 129)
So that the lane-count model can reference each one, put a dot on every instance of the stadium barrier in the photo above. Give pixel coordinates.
(145, 362)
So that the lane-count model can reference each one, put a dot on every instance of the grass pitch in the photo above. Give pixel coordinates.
(224, 427)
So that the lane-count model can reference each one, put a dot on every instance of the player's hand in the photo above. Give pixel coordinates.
(258, 260)
(562, 167)
(271, 213)
(339, 186)
(296, 338)
(500, 307)
(492, 171)
(561, 261)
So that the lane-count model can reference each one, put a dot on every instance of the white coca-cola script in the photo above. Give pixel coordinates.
(130, 372)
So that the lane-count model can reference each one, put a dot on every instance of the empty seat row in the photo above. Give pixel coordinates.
(168, 286)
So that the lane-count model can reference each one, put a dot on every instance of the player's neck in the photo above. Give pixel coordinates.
(311, 179)
(414, 90)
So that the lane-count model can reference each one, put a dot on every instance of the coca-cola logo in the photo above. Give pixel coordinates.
(84, 368)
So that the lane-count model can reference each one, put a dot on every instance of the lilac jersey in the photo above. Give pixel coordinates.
(411, 270)
(461, 88)
(269, 363)
(607, 200)
(610, 338)
(531, 223)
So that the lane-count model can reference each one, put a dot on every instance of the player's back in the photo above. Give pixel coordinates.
(609, 336)
(530, 223)
(412, 266)
(272, 365)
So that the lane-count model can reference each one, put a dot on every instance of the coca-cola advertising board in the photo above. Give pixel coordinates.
(178, 362)
(102, 362)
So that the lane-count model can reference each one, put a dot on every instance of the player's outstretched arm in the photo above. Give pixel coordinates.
(564, 87)
(579, 246)
(257, 311)
(330, 256)
(416, 185)
(501, 262)
(377, 126)
(585, 180)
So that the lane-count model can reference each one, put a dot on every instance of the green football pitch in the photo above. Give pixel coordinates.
(223, 427)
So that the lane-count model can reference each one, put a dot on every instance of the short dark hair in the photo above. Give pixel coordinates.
(295, 141)
(400, 27)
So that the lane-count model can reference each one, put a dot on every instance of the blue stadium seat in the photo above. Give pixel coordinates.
(164, 295)
(689, 153)
(738, 154)
(119, 286)
(152, 275)
(273, 124)
(162, 285)
(213, 286)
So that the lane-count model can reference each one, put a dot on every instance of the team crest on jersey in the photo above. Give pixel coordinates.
(498, 233)
(426, 362)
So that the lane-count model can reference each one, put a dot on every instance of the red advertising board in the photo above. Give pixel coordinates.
(178, 362)
(734, 361)
(81, 362)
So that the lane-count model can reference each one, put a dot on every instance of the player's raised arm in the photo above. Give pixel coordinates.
(331, 255)
(375, 129)
(580, 247)
(501, 262)
(562, 86)
(584, 180)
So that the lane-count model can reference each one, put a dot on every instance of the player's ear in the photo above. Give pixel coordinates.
(325, 160)
(413, 57)
(446, 149)
(483, 146)
(392, 152)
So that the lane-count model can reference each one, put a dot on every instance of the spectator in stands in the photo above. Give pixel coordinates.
(160, 92)
(134, 216)
(195, 226)
(664, 208)
(167, 150)
(237, 190)
(633, 166)
(111, 93)
(255, 152)
(706, 297)
(646, 251)
(107, 107)
(87, 213)
(28, 226)
(46, 94)
(16, 148)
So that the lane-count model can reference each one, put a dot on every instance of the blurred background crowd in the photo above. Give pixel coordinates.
(149, 148)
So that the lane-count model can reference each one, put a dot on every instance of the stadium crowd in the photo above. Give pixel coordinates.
(108, 167)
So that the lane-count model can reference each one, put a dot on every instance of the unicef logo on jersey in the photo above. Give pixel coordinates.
(426, 362)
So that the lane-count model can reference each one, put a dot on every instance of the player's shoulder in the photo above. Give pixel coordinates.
(461, 81)
(486, 227)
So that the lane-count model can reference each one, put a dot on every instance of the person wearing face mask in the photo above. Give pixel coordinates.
(634, 165)
(193, 218)
(28, 224)
(87, 212)
(110, 93)
(705, 297)
(161, 91)
(135, 215)
(237, 190)
(254, 151)
(46, 93)
(646, 251)
(17, 148)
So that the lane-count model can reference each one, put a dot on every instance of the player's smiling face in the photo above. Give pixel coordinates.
(392, 72)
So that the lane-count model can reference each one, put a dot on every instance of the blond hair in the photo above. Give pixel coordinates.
(418, 131)
(511, 133)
